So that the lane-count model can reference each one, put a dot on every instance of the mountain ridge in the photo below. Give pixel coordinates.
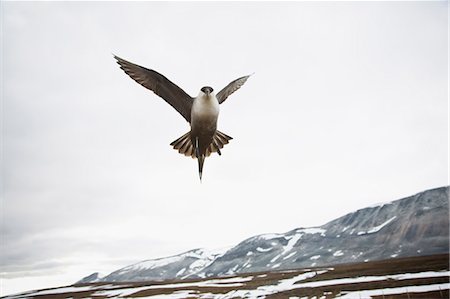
(412, 226)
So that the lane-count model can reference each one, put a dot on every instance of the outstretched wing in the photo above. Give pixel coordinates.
(160, 85)
(230, 88)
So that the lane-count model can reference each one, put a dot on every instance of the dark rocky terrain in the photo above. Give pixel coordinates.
(415, 277)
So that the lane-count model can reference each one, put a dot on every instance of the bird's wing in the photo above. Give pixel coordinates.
(230, 88)
(160, 85)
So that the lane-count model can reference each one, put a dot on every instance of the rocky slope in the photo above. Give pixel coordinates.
(414, 226)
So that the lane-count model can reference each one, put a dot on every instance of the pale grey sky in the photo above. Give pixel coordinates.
(347, 107)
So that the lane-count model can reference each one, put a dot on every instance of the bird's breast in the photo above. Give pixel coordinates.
(204, 113)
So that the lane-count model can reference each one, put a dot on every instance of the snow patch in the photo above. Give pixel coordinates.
(393, 291)
(291, 243)
(269, 236)
(246, 264)
(380, 204)
(151, 264)
(313, 230)
(176, 295)
(232, 270)
(290, 255)
(338, 253)
(180, 272)
(263, 249)
(379, 227)
(275, 258)
(360, 279)
(220, 282)
(376, 228)
(201, 264)
(64, 290)
(122, 292)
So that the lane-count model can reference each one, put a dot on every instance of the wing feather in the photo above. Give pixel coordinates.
(230, 88)
(160, 85)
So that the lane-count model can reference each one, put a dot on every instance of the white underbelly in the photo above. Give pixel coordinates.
(204, 115)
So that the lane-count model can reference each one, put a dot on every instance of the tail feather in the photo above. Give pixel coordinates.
(184, 144)
(216, 146)
(212, 149)
(224, 136)
(177, 143)
(201, 160)
(219, 141)
(185, 148)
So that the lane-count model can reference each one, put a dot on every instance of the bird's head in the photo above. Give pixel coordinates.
(207, 90)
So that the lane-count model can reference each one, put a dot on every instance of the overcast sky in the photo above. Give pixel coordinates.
(347, 107)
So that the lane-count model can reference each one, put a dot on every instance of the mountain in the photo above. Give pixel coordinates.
(94, 277)
(414, 226)
(188, 264)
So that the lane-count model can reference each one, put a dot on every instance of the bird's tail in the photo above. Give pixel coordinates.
(184, 145)
(201, 160)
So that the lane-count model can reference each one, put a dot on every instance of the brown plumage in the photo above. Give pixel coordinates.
(201, 112)
(187, 148)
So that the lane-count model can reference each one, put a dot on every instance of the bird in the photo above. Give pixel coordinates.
(201, 112)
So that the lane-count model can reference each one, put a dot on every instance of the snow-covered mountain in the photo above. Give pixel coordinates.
(188, 264)
(413, 226)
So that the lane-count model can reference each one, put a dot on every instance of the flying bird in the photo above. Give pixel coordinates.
(200, 112)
